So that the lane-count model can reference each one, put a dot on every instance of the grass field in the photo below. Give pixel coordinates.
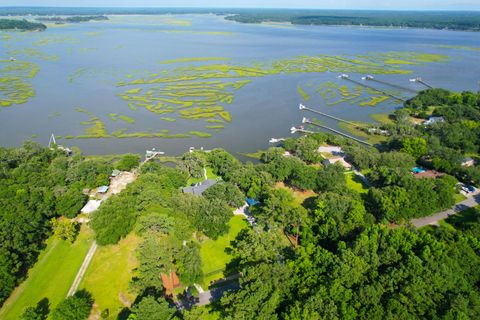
(51, 276)
(459, 197)
(383, 118)
(298, 195)
(210, 175)
(371, 138)
(355, 183)
(214, 257)
(109, 273)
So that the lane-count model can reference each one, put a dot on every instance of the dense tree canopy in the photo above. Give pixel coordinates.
(76, 307)
(24, 25)
(36, 185)
(128, 162)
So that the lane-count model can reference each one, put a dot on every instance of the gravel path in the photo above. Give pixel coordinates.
(83, 268)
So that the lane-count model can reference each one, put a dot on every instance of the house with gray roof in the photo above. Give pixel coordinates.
(199, 188)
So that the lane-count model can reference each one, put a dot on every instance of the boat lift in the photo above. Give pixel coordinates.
(52, 144)
(420, 80)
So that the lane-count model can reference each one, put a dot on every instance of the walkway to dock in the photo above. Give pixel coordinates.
(373, 88)
(302, 107)
(391, 85)
(419, 80)
(337, 132)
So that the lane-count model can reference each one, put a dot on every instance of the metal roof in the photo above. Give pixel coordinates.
(199, 188)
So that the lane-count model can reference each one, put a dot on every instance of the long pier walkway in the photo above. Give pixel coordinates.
(393, 85)
(419, 80)
(302, 107)
(373, 88)
(338, 132)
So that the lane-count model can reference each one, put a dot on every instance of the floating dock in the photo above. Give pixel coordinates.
(300, 129)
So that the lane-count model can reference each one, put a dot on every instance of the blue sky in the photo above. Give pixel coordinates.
(320, 4)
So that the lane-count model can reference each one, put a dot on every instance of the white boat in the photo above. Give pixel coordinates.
(275, 140)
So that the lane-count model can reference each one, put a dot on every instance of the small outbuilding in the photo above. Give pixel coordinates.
(170, 282)
(91, 206)
(434, 120)
(115, 173)
(102, 189)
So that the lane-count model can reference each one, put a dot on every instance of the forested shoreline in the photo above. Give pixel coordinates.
(22, 25)
(318, 246)
(74, 19)
(464, 21)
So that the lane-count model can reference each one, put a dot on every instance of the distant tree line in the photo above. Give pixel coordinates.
(74, 19)
(454, 20)
(23, 25)
(444, 20)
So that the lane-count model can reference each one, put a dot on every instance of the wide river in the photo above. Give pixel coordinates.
(83, 93)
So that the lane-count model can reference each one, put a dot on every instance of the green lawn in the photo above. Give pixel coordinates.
(254, 155)
(210, 175)
(355, 131)
(383, 118)
(214, 257)
(355, 183)
(464, 217)
(51, 277)
(459, 197)
(109, 273)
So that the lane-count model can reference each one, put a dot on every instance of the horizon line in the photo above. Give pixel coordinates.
(240, 8)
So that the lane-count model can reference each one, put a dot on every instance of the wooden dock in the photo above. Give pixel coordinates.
(338, 132)
(373, 88)
(419, 80)
(393, 85)
(302, 107)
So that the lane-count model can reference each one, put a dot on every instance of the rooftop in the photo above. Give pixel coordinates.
(339, 160)
(199, 188)
(91, 206)
(102, 189)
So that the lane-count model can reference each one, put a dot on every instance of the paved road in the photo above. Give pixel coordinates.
(206, 297)
(211, 295)
(470, 202)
